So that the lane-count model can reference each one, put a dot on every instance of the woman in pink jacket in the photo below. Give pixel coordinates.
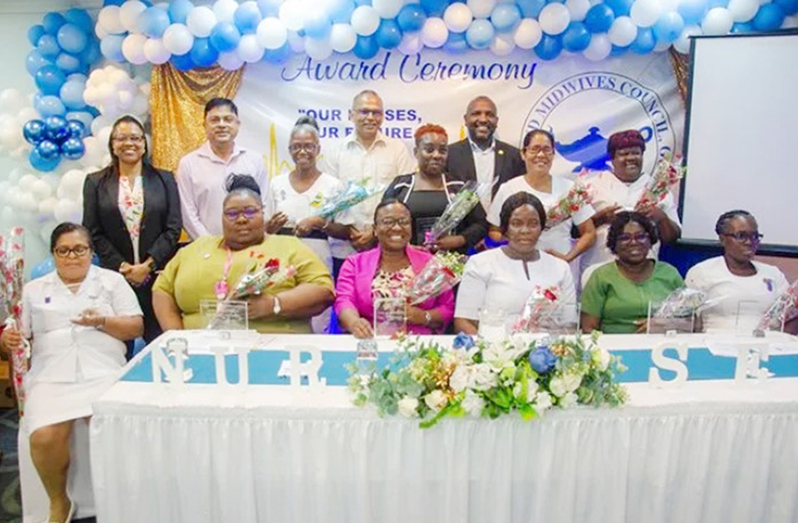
(384, 272)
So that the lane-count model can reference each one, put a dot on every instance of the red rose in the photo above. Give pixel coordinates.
(272, 263)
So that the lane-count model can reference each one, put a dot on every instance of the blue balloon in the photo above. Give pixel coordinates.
(50, 106)
(33, 131)
(790, 7)
(742, 28)
(48, 46)
(202, 53)
(91, 53)
(72, 95)
(479, 34)
(366, 47)
(112, 2)
(411, 18)
(619, 7)
(73, 149)
(153, 21)
(42, 164)
(71, 38)
(717, 3)
(111, 48)
(77, 129)
(55, 129)
(531, 8)
(225, 37)
(36, 61)
(52, 23)
(80, 18)
(77, 77)
(247, 17)
(645, 41)
(388, 34)
(434, 7)
(768, 18)
(318, 26)
(271, 8)
(49, 79)
(505, 16)
(68, 63)
(692, 11)
(456, 43)
(83, 117)
(340, 13)
(47, 150)
(576, 37)
(599, 18)
(179, 10)
(44, 268)
(668, 27)
(35, 33)
(549, 47)
(183, 62)
(618, 51)
(278, 56)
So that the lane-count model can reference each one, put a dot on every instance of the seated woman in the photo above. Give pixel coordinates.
(78, 318)
(384, 272)
(503, 279)
(428, 192)
(744, 287)
(616, 297)
(210, 267)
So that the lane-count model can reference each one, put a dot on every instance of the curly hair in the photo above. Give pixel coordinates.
(429, 128)
(726, 217)
(517, 200)
(624, 218)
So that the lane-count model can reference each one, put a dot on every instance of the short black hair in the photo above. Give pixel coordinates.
(65, 228)
(135, 121)
(726, 217)
(517, 200)
(213, 103)
(390, 201)
(242, 184)
(621, 220)
(531, 134)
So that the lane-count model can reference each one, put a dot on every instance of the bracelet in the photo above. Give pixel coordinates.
(427, 318)
(101, 327)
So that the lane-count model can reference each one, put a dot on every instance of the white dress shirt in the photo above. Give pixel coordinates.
(485, 166)
(201, 179)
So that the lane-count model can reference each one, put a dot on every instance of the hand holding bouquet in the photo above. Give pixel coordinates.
(576, 198)
(666, 176)
(544, 311)
(353, 193)
(441, 273)
(12, 251)
(462, 203)
(781, 309)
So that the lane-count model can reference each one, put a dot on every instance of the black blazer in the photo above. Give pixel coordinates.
(160, 225)
(508, 163)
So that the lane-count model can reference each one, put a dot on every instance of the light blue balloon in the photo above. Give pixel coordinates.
(111, 48)
(790, 7)
(71, 38)
(179, 10)
(692, 11)
(505, 16)
(717, 3)
(203, 53)
(42, 164)
(278, 56)
(599, 18)
(549, 47)
(52, 23)
(72, 95)
(68, 63)
(77, 77)
(318, 26)
(576, 37)
(619, 7)
(153, 21)
(644, 42)
(531, 8)
(480, 34)
(768, 18)
(36, 61)
(48, 46)
(668, 27)
(91, 53)
(456, 43)
(411, 18)
(44, 268)
(247, 17)
(271, 8)
(80, 18)
(388, 34)
(366, 47)
(341, 12)
(49, 79)
(225, 37)
(84, 117)
(35, 33)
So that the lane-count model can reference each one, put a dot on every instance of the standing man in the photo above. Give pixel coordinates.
(366, 154)
(481, 156)
(201, 174)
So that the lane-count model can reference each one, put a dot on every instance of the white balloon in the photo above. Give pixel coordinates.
(10, 132)
(47, 228)
(129, 15)
(52, 180)
(318, 49)
(11, 100)
(645, 13)
(230, 61)
(790, 22)
(156, 52)
(578, 9)
(47, 208)
(177, 39)
(141, 106)
(249, 49)
(292, 14)
(682, 44)
(411, 43)
(623, 31)
(599, 48)
(272, 33)
(26, 182)
(434, 33)
(457, 17)
(225, 10)
(386, 8)
(554, 19)
(481, 8)
(296, 42)
(343, 38)
(200, 21)
(108, 19)
(71, 184)
(743, 10)
(503, 44)
(41, 190)
(133, 48)
(27, 114)
(718, 21)
(528, 33)
(365, 20)
(94, 152)
(67, 210)
(27, 202)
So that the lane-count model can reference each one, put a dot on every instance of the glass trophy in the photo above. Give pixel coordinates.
(224, 315)
(553, 318)
(366, 358)
(680, 322)
(390, 316)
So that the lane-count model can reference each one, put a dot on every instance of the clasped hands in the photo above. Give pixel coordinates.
(137, 274)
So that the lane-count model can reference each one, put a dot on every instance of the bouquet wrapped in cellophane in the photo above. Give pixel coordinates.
(781, 309)
(681, 303)
(574, 200)
(353, 193)
(545, 311)
(441, 273)
(12, 253)
(665, 177)
(462, 203)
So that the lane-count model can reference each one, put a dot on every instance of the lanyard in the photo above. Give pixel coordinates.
(221, 287)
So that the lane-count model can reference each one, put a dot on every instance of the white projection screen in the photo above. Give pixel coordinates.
(741, 137)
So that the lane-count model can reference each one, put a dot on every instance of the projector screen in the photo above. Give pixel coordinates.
(741, 136)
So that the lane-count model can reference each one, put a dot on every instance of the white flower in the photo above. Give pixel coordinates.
(604, 358)
(436, 400)
(500, 355)
(408, 406)
(557, 387)
(460, 378)
(473, 403)
(542, 401)
(571, 380)
(568, 401)
(532, 388)
(483, 377)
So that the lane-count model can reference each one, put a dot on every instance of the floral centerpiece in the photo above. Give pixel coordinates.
(428, 381)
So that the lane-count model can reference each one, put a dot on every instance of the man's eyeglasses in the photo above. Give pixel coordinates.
(640, 237)
(248, 213)
(752, 237)
(64, 252)
(297, 147)
(392, 222)
(376, 113)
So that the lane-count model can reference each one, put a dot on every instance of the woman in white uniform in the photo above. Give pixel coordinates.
(77, 319)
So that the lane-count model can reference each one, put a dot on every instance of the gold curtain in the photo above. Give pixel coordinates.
(177, 103)
(681, 70)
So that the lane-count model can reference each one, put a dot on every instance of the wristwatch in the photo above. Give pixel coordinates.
(276, 308)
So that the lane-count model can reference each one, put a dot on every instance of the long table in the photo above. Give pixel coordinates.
(712, 450)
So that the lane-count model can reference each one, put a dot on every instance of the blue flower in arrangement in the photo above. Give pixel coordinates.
(542, 359)
(463, 341)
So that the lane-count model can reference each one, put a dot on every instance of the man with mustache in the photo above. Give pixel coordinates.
(202, 174)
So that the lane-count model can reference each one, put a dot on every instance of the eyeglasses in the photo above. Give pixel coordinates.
(392, 222)
(134, 138)
(752, 237)
(534, 151)
(248, 213)
(640, 237)
(64, 252)
(369, 112)
(297, 147)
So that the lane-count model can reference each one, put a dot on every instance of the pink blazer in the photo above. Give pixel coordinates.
(353, 290)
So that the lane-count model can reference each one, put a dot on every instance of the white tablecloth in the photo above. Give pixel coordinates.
(711, 451)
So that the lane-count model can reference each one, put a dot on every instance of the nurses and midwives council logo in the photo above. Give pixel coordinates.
(582, 111)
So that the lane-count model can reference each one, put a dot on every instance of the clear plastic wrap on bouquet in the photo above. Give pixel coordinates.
(546, 311)
(574, 200)
(678, 311)
(353, 193)
(12, 253)
(441, 273)
(781, 309)
(462, 203)
(665, 177)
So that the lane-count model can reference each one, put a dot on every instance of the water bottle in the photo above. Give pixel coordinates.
(366, 358)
